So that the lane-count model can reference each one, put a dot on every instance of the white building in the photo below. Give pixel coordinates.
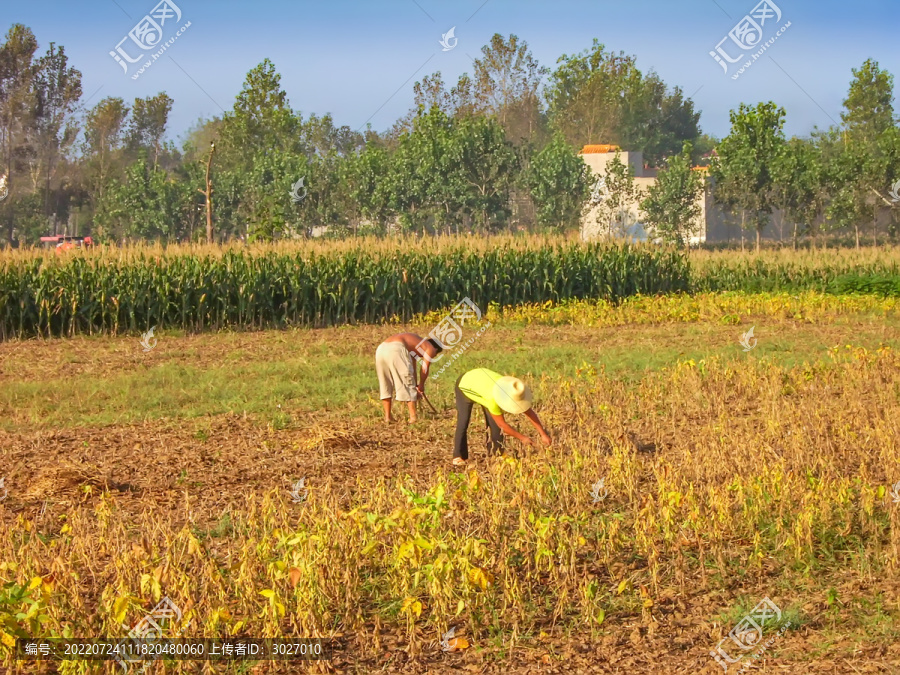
(629, 218)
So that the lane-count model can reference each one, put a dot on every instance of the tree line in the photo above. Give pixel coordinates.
(495, 151)
(842, 179)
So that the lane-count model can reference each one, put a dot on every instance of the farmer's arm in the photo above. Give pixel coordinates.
(423, 374)
(430, 352)
(536, 421)
(509, 431)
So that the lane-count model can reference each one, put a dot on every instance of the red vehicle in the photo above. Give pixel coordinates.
(62, 243)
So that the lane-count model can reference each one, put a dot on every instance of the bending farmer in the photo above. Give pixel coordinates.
(496, 394)
(397, 371)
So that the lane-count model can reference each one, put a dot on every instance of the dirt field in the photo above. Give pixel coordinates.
(237, 461)
(729, 481)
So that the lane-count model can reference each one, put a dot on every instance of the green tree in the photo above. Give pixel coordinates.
(888, 153)
(445, 170)
(327, 202)
(415, 168)
(149, 117)
(261, 120)
(146, 204)
(861, 175)
(601, 97)
(319, 137)
(867, 163)
(505, 83)
(558, 181)
(266, 204)
(800, 187)
(850, 203)
(198, 138)
(430, 93)
(745, 164)
(672, 206)
(584, 95)
(486, 165)
(704, 148)
(868, 108)
(16, 106)
(103, 137)
(614, 194)
(369, 186)
(57, 90)
(254, 140)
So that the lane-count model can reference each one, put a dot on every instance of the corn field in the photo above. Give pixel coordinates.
(840, 271)
(112, 292)
(196, 288)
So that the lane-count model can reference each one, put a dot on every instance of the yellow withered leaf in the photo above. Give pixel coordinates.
(407, 549)
(120, 608)
(236, 627)
(35, 582)
(193, 545)
(156, 588)
(413, 606)
(267, 593)
(481, 578)
(295, 575)
(623, 586)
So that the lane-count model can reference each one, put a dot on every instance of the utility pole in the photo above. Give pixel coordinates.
(208, 194)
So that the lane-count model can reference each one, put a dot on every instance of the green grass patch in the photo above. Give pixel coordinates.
(332, 369)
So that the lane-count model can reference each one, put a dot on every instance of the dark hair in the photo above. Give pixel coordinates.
(437, 345)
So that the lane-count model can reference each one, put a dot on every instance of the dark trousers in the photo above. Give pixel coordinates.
(463, 415)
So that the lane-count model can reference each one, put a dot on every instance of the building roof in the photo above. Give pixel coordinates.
(589, 149)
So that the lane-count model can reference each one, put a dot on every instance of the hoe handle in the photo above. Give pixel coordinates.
(429, 403)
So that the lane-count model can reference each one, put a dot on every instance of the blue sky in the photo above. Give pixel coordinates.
(358, 60)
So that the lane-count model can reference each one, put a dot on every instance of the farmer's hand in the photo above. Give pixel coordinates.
(420, 391)
(527, 441)
(546, 440)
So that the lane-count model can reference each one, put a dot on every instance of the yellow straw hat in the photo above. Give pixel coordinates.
(512, 395)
